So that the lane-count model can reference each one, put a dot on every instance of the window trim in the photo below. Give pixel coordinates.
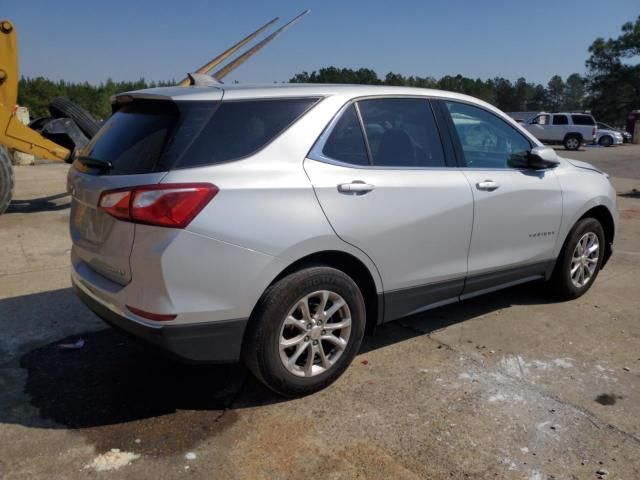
(461, 159)
(315, 153)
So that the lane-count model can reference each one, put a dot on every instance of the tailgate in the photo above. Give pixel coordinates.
(101, 241)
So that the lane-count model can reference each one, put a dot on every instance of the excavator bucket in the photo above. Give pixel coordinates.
(13, 133)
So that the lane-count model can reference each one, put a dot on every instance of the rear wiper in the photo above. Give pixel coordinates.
(92, 162)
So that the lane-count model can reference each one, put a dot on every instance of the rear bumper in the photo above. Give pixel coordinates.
(212, 342)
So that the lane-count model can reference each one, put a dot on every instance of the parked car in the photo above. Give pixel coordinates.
(608, 136)
(278, 224)
(569, 129)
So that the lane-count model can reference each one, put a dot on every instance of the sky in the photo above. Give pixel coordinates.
(86, 40)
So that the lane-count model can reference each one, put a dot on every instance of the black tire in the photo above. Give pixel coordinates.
(61, 107)
(6, 180)
(261, 351)
(572, 141)
(561, 281)
(605, 141)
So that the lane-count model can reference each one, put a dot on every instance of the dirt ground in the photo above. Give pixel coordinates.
(511, 385)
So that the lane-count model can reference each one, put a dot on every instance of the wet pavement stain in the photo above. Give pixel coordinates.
(608, 399)
(121, 394)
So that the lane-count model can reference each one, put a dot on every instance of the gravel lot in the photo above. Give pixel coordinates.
(510, 385)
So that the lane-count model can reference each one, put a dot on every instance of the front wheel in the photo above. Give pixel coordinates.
(305, 331)
(580, 259)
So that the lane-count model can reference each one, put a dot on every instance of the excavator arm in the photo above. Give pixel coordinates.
(13, 133)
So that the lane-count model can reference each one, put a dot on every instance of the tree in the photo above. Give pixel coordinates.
(555, 93)
(574, 93)
(613, 81)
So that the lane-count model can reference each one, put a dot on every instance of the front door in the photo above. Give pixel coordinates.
(517, 210)
(391, 194)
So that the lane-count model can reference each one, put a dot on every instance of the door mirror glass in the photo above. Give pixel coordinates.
(541, 158)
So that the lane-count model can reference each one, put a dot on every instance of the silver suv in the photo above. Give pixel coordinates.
(569, 129)
(278, 224)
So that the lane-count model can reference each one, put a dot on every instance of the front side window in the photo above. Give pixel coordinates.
(401, 132)
(346, 141)
(540, 120)
(560, 120)
(487, 141)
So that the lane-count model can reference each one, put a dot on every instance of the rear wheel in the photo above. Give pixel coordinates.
(6, 180)
(572, 142)
(605, 141)
(305, 331)
(580, 259)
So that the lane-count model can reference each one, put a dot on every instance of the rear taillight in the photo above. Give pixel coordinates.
(171, 205)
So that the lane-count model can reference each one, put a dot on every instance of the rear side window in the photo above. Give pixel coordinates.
(134, 137)
(560, 120)
(401, 132)
(346, 142)
(238, 129)
(583, 120)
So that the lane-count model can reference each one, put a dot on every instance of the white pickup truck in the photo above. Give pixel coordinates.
(569, 129)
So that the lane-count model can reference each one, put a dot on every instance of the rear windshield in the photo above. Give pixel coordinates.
(151, 136)
(583, 120)
(134, 137)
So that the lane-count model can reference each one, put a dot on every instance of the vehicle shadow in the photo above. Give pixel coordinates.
(42, 204)
(114, 389)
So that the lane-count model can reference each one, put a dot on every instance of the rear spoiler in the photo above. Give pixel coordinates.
(201, 77)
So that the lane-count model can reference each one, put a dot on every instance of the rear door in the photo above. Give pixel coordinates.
(517, 210)
(559, 127)
(382, 178)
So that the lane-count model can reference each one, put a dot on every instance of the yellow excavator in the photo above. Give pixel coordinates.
(42, 138)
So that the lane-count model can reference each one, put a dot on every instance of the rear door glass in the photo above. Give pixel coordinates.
(346, 141)
(560, 120)
(401, 132)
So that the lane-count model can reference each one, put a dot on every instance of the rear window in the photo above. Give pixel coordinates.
(151, 136)
(134, 137)
(583, 120)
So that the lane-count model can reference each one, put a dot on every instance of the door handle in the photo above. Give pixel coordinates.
(355, 187)
(488, 185)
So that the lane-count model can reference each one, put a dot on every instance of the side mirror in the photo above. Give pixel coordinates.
(541, 158)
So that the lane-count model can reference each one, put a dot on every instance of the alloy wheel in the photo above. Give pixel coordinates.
(584, 260)
(315, 333)
(573, 143)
